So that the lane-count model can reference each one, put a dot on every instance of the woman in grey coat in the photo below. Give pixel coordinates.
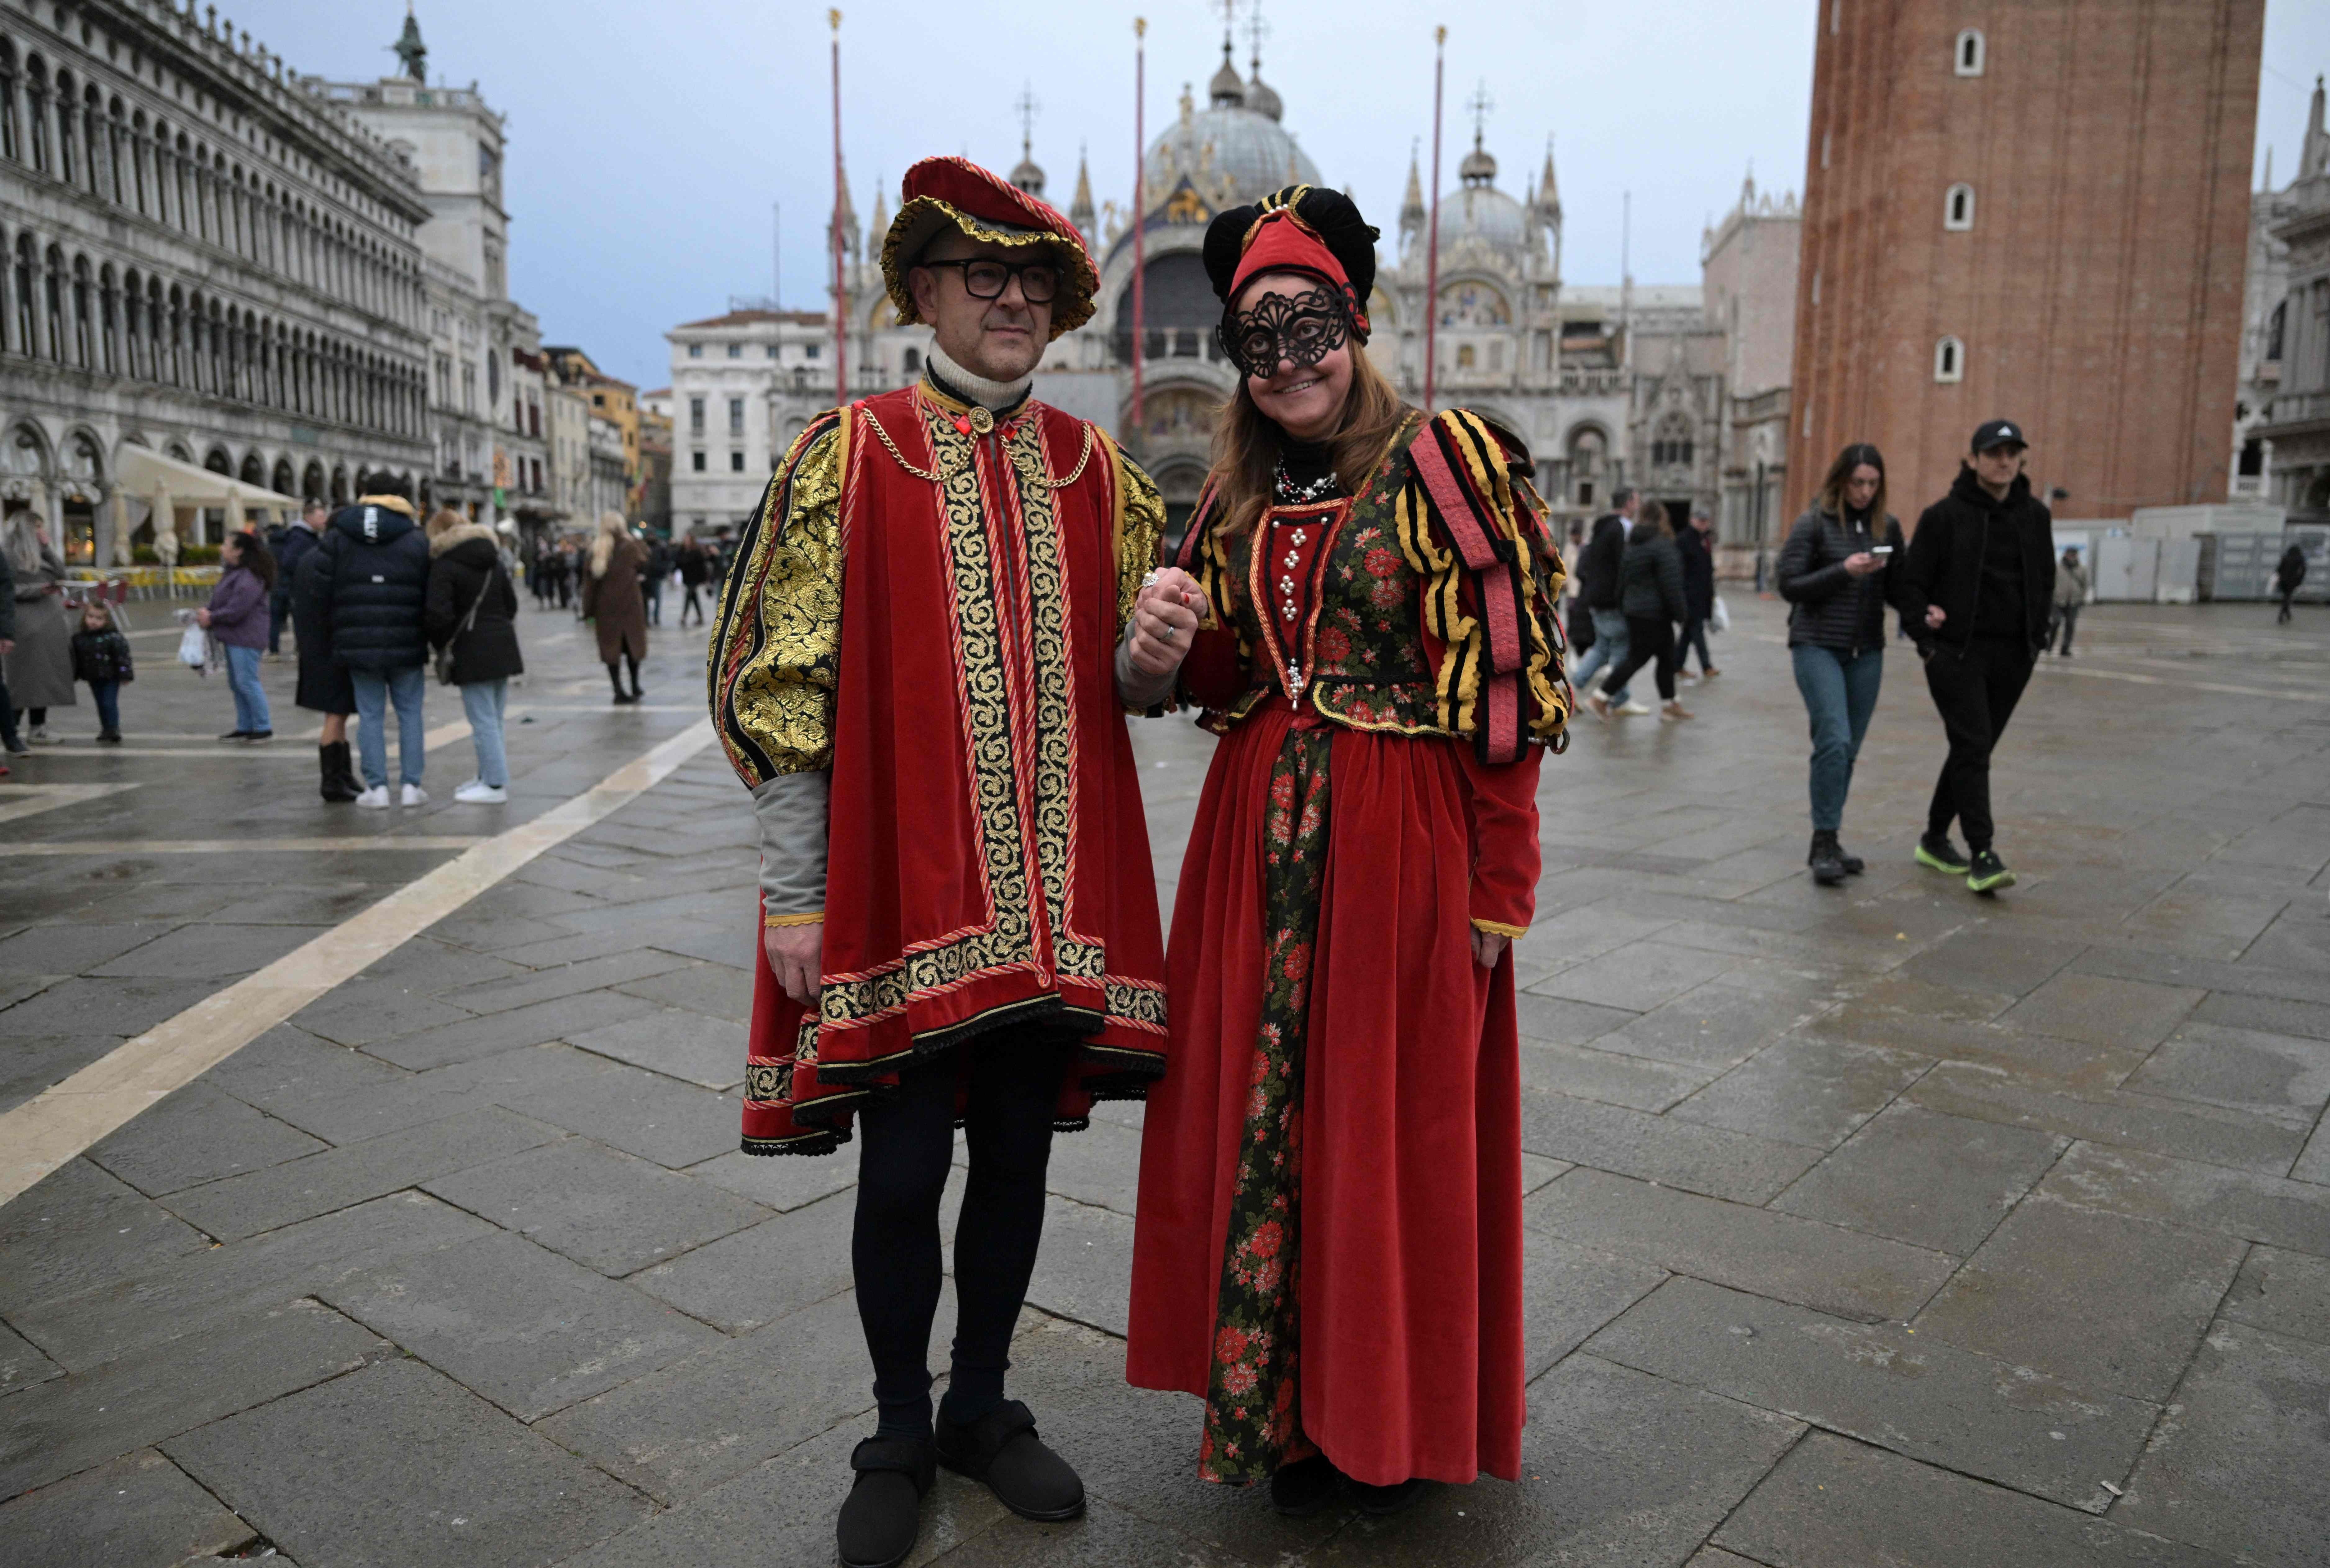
(40, 666)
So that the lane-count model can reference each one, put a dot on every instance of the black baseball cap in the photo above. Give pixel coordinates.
(1998, 433)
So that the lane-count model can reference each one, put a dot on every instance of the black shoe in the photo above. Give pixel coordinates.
(1826, 860)
(1987, 874)
(1936, 851)
(1392, 1499)
(1853, 864)
(108, 737)
(255, 736)
(884, 1511)
(236, 735)
(624, 698)
(1305, 1487)
(1002, 1450)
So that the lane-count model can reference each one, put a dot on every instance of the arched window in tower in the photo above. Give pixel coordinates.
(1949, 360)
(1957, 208)
(1970, 52)
(912, 362)
(1671, 442)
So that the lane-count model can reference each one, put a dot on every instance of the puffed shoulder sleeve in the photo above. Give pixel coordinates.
(775, 653)
(1471, 525)
(1139, 529)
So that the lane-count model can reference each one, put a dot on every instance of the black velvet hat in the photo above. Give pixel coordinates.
(1340, 245)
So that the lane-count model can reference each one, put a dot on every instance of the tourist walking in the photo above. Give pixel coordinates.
(100, 656)
(935, 953)
(2070, 595)
(324, 685)
(695, 571)
(1651, 596)
(1976, 583)
(1836, 572)
(1598, 581)
(1695, 546)
(473, 615)
(611, 597)
(655, 569)
(1328, 1247)
(304, 534)
(370, 578)
(2286, 576)
(39, 669)
(238, 617)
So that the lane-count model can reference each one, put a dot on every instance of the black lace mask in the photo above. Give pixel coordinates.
(1301, 327)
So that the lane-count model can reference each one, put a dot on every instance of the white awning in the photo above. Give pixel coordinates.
(144, 471)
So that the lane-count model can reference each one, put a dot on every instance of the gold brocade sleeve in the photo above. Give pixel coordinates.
(775, 656)
(1510, 513)
(1140, 531)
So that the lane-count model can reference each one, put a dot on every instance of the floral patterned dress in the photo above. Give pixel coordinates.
(1328, 1247)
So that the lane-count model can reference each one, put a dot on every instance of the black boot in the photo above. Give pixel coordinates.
(339, 782)
(1826, 859)
(1303, 1488)
(1853, 864)
(1002, 1450)
(1395, 1498)
(883, 1513)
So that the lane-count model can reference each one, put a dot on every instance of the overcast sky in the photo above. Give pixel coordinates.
(648, 143)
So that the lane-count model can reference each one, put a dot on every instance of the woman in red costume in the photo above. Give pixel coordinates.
(1330, 1237)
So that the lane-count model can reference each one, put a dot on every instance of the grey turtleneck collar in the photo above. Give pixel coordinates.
(995, 396)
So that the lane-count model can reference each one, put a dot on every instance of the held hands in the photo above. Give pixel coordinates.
(796, 957)
(1863, 563)
(1165, 618)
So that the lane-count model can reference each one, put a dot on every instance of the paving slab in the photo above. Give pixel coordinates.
(21, 1365)
(1884, 1385)
(2105, 1302)
(1637, 977)
(79, 1226)
(208, 951)
(1712, 1026)
(1716, 1161)
(1611, 1077)
(1835, 1271)
(734, 944)
(173, 1297)
(356, 1173)
(1837, 1504)
(2240, 1069)
(2299, 940)
(537, 1025)
(35, 1062)
(75, 947)
(612, 1211)
(1916, 1175)
(399, 1465)
(530, 1330)
(1099, 1167)
(364, 1011)
(1569, 1291)
(197, 1135)
(1804, 1090)
(672, 1041)
(1981, 960)
(562, 980)
(716, 990)
(1558, 1021)
(723, 1409)
(2287, 1293)
(509, 1079)
(2199, 1132)
(2103, 1011)
(1617, 1468)
(655, 1117)
(2295, 1214)
(2240, 1463)
(66, 1425)
(2255, 976)
(782, 1510)
(287, 1070)
(764, 1273)
(780, 1182)
(141, 1509)
(2271, 1014)
(1084, 1271)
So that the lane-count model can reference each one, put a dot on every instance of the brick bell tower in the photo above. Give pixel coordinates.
(2032, 209)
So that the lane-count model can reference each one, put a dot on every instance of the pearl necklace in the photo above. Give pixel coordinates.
(1289, 494)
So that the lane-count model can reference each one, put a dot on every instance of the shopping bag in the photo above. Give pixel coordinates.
(194, 648)
(1720, 617)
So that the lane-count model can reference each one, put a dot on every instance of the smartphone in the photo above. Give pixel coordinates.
(1880, 550)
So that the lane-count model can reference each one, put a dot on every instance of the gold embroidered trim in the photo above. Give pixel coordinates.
(1498, 929)
(816, 918)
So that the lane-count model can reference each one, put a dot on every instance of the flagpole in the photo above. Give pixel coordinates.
(1140, 210)
(1432, 241)
(840, 201)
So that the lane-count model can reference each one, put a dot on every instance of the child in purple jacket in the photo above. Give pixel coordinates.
(237, 615)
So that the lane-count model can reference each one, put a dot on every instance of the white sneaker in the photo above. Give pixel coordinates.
(376, 798)
(1634, 709)
(478, 793)
(414, 794)
(41, 736)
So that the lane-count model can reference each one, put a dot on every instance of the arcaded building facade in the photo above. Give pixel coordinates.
(2032, 209)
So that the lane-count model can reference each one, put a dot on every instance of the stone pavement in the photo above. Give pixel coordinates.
(1876, 1226)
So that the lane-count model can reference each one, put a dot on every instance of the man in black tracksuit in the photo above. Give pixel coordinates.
(1975, 594)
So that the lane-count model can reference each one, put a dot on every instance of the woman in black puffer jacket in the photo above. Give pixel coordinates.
(1651, 596)
(1835, 570)
(466, 575)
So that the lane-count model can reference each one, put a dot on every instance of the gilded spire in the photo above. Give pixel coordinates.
(1080, 209)
(1549, 195)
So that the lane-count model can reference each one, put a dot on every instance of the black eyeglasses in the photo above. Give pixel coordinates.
(985, 279)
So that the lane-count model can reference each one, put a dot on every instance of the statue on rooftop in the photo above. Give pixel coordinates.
(410, 52)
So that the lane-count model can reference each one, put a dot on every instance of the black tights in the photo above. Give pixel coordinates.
(909, 1145)
(616, 676)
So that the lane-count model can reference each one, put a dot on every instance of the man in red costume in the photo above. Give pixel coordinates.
(946, 602)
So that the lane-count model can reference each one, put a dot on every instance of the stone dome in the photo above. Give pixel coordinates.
(1478, 167)
(1485, 213)
(1231, 146)
(1263, 98)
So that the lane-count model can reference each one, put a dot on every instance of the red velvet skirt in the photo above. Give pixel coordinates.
(1410, 1232)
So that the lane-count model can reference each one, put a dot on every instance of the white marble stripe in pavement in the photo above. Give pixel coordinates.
(17, 800)
(378, 841)
(2048, 669)
(57, 1124)
(443, 735)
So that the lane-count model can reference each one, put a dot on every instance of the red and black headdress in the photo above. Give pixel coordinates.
(1299, 229)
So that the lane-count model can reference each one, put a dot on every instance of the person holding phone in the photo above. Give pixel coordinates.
(1837, 576)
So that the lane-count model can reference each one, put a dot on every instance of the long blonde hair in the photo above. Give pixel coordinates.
(602, 544)
(1245, 442)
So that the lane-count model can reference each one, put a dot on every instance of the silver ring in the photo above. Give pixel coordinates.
(1150, 580)
(1167, 634)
